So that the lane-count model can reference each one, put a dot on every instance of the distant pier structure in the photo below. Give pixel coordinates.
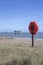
(17, 32)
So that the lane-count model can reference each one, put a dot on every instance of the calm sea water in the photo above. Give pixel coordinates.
(21, 35)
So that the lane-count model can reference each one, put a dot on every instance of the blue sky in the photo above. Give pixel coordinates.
(17, 14)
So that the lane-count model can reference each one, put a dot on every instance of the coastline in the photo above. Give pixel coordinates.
(21, 41)
(19, 38)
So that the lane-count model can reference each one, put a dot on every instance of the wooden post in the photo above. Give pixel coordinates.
(32, 40)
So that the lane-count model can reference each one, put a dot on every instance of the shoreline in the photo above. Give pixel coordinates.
(20, 41)
(18, 38)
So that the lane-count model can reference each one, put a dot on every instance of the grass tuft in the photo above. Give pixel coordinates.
(20, 55)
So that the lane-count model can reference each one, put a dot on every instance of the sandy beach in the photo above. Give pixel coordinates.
(21, 41)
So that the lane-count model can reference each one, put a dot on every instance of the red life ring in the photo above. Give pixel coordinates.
(33, 27)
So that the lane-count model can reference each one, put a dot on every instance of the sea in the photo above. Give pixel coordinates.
(39, 35)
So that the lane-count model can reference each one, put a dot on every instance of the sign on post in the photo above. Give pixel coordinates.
(33, 28)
